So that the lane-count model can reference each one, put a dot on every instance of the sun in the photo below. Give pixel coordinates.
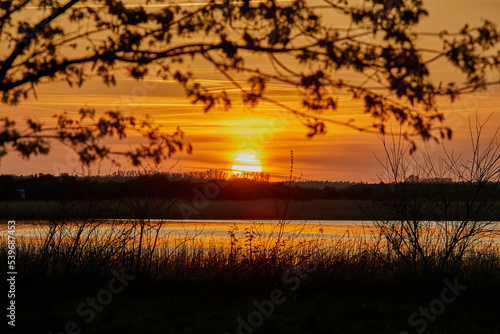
(246, 163)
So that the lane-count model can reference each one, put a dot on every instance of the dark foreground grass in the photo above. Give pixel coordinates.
(211, 307)
(346, 285)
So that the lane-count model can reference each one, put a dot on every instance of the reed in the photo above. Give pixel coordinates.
(262, 251)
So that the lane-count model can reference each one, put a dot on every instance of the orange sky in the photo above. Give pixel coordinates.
(269, 133)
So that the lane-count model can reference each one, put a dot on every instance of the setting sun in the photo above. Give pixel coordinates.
(246, 163)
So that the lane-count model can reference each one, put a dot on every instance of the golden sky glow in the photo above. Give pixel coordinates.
(260, 138)
(245, 162)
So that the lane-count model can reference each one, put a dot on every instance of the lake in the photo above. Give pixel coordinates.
(217, 231)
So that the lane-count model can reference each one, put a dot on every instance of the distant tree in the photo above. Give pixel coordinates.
(210, 174)
(254, 176)
(75, 40)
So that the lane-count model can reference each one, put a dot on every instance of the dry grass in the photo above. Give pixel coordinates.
(257, 251)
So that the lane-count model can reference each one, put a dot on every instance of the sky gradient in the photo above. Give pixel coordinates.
(267, 132)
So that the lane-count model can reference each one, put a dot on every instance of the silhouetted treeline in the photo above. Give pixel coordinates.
(66, 187)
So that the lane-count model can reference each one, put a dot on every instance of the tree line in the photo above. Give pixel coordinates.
(181, 186)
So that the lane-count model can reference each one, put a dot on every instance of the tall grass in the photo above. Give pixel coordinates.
(260, 252)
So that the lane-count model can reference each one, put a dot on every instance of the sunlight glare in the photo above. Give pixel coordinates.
(246, 163)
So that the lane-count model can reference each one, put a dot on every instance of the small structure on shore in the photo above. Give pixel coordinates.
(21, 193)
